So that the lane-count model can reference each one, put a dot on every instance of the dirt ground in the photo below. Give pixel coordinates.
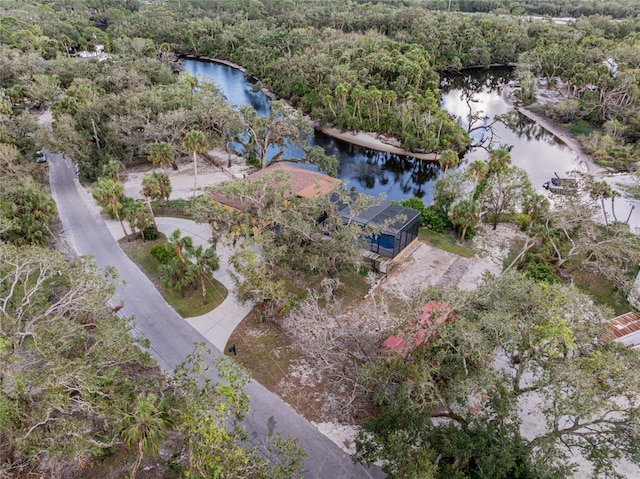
(212, 170)
(427, 265)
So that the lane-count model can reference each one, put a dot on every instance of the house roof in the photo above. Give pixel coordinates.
(308, 184)
(625, 329)
(383, 212)
(304, 183)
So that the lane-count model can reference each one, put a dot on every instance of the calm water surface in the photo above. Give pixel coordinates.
(399, 177)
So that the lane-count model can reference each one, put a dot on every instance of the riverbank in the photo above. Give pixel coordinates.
(562, 134)
(373, 141)
(215, 60)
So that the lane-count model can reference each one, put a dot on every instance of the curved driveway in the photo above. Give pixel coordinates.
(172, 339)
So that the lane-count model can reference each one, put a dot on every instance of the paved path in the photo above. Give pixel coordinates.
(172, 338)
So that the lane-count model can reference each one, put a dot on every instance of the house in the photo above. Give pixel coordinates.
(304, 183)
(98, 53)
(626, 330)
(401, 224)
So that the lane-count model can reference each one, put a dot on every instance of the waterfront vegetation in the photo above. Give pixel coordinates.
(78, 392)
(369, 67)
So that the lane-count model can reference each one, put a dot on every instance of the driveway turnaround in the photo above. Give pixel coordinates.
(172, 338)
(218, 324)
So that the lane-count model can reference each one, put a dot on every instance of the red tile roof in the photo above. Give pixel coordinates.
(423, 328)
(624, 326)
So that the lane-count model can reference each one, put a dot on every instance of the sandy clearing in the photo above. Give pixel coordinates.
(374, 141)
(210, 172)
(427, 265)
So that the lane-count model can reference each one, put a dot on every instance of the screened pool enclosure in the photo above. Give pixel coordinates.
(397, 235)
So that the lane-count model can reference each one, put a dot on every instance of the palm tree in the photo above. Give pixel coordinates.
(180, 244)
(614, 195)
(478, 169)
(155, 186)
(112, 169)
(164, 186)
(499, 160)
(196, 142)
(448, 159)
(145, 427)
(176, 274)
(375, 96)
(108, 194)
(602, 190)
(136, 214)
(358, 94)
(464, 214)
(342, 92)
(205, 261)
(389, 96)
(327, 99)
(161, 154)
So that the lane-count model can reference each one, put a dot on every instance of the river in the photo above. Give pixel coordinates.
(398, 177)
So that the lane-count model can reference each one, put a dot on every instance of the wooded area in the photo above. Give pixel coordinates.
(75, 388)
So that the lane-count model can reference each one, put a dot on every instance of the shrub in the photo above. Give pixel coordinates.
(568, 110)
(581, 128)
(523, 221)
(150, 233)
(163, 253)
(538, 270)
(435, 219)
(417, 204)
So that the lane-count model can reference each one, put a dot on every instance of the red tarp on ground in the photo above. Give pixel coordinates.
(423, 328)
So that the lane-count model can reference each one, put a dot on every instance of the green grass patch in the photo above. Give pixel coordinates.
(601, 290)
(354, 286)
(187, 306)
(446, 242)
(580, 128)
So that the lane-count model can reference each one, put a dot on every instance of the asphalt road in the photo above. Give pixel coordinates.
(172, 339)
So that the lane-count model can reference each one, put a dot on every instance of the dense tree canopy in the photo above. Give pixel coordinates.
(306, 236)
(73, 383)
(521, 377)
(364, 67)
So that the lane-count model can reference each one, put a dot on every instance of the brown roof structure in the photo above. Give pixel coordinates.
(304, 183)
(626, 329)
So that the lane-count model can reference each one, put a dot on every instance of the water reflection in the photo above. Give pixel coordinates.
(237, 89)
(374, 172)
(477, 93)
